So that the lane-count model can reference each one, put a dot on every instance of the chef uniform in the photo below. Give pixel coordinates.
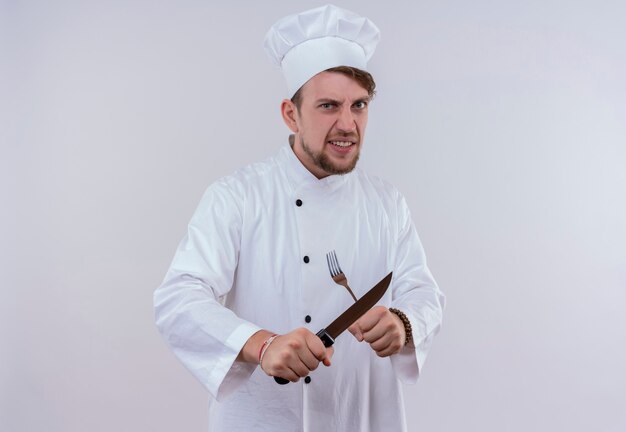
(254, 258)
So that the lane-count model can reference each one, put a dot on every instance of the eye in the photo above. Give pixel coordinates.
(327, 105)
(360, 105)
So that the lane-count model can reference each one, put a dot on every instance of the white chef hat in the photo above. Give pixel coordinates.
(310, 42)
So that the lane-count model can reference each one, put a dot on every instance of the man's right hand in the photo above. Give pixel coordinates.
(294, 355)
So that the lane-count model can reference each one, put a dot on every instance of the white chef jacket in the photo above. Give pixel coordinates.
(254, 257)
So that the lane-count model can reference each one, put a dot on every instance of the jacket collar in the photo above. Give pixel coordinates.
(299, 176)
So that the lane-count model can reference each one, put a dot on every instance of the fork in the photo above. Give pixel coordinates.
(336, 273)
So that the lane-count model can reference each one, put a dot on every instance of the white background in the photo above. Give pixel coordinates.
(503, 123)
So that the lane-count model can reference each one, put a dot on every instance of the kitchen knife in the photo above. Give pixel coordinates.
(347, 318)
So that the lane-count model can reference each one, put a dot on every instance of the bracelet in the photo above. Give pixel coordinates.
(264, 348)
(407, 324)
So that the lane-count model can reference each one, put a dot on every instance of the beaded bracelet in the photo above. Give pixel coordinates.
(407, 324)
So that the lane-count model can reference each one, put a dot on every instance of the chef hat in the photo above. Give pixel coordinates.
(310, 42)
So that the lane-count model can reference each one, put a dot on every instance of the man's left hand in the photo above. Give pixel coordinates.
(382, 329)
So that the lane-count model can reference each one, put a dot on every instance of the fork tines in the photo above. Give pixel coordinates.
(333, 263)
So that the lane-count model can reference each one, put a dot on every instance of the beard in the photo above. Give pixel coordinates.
(322, 161)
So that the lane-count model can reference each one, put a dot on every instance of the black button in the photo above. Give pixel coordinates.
(306, 259)
(307, 318)
(298, 203)
(307, 380)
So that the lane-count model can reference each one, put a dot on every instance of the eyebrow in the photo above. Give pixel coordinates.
(333, 101)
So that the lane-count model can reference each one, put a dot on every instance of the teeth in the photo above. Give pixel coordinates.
(341, 143)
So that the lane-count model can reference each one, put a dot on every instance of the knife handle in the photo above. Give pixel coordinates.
(281, 381)
(328, 341)
(325, 337)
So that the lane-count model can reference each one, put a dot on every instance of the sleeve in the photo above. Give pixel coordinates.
(204, 335)
(415, 293)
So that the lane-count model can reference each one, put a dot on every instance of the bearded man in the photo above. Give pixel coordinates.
(252, 281)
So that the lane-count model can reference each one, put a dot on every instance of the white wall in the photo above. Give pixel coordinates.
(504, 123)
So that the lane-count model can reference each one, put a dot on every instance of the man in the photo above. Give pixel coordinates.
(250, 283)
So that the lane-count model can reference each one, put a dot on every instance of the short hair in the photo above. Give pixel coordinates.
(363, 78)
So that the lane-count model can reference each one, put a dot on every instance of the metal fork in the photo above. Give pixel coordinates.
(336, 273)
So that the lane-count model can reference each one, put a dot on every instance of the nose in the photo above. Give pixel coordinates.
(346, 122)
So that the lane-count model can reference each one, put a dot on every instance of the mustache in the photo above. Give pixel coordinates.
(351, 136)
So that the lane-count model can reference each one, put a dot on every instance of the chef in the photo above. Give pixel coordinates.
(251, 282)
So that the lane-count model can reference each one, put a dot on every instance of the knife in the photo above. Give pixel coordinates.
(349, 316)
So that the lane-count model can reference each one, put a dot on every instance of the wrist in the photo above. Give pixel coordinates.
(250, 351)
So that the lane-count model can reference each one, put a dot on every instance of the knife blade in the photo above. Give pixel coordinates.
(349, 316)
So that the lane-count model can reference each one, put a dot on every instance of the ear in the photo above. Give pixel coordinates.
(288, 111)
